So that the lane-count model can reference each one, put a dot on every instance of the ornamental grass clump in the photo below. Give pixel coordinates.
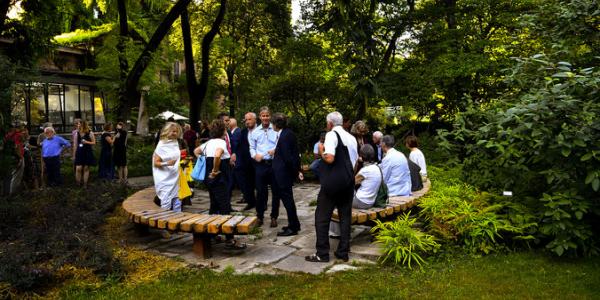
(402, 242)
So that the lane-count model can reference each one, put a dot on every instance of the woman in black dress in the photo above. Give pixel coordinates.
(84, 155)
(120, 152)
(106, 168)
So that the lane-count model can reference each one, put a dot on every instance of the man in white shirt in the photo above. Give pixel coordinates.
(394, 166)
(337, 188)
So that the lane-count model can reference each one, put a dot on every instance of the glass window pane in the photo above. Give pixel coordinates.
(99, 108)
(38, 106)
(55, 104)
(86, 104)
(71, 103)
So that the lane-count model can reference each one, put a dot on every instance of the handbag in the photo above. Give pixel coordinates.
(199, 171)
(382, 198)
(338, 177)
(184, 188)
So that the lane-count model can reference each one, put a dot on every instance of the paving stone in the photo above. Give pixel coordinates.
(295, 263)
(341, 267)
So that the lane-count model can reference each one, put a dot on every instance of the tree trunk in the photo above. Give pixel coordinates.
(190, 71)
(142, 127)
(133, 79)
(123, 65)
(206, 41)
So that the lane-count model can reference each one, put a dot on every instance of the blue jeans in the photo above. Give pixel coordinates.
(314, 167)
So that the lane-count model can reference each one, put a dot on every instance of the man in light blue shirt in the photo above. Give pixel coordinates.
(263, 140)
(394, 166)
(52, 147)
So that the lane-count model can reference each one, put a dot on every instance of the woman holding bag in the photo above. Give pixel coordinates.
(217, 174)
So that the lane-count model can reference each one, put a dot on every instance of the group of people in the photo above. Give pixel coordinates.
(39, 159)
(258, 156)
(350, 163)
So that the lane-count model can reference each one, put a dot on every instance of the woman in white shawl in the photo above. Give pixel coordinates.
(165, 167)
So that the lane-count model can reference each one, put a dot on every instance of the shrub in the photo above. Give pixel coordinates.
(541, 138)
(44, 230)
(455, 211)
(402, 242)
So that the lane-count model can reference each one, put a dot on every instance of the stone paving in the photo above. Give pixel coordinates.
(266, 253)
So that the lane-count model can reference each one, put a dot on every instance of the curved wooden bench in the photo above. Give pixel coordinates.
(396, 204)
(142, 211)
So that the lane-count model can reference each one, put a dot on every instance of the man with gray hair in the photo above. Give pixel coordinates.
(394, 166)
(339, 155)
(52, 147)
(377, 135)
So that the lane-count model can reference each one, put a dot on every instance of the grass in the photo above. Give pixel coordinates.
(524, 275)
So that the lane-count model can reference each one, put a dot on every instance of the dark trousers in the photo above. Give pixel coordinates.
(52, 165)
(219, 203)
(325, 206)
(264, 178)
(287, 197)
(245, 179)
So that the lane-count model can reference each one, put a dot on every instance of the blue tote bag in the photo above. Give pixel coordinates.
(199, 168)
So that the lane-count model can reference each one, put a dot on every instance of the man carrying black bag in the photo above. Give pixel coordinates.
(339, 155)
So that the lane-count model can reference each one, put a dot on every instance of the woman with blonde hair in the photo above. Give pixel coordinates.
(84, 154)
(165, 167)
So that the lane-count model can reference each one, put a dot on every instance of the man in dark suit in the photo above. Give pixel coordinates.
(244, 169)
(286, 167)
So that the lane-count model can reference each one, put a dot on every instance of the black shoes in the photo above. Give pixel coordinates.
(316, 258)
(287, 232)
(342, 258)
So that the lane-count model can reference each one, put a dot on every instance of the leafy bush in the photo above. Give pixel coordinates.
(402, 242)
(44, 230)
(139, 156)
(543, 138)
(455, 211)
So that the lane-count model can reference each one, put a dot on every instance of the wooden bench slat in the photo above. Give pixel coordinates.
(202, 225)
(174, 223)
(229, 226)
(246, 225)
(132, 215)
(362, 217)
(188, 225)
(143, 218)
(215, 225)
(162, 222)
(152, 221)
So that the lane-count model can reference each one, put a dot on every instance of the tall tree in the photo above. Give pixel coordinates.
(197, 92)
(190, 69)
(132, 94)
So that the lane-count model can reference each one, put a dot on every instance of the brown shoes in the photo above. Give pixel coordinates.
(273, 222)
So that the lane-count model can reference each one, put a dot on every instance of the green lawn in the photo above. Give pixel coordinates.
(524, 275)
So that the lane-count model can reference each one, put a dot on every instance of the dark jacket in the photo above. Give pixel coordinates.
(241, 148)
(286, 161)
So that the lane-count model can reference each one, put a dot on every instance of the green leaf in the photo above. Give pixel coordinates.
(590, 176)
(559, 250)
(578, 215)
(566, 152)
(596, 184)
(586, 156)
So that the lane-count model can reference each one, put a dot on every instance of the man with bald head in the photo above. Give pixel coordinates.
(235, 135)
(52, 148)
(377, 135)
